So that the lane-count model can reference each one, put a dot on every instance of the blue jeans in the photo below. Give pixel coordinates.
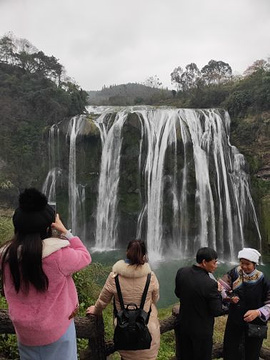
(63, 349)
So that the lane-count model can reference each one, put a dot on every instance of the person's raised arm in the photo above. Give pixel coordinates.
(74, 257)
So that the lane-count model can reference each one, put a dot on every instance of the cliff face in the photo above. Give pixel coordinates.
(29, 104)
(252, 137)
(169, 176)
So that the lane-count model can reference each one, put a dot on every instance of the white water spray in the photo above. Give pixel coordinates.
(106, 215)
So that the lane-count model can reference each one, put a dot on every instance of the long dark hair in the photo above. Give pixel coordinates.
(136, 252)
(23, 254)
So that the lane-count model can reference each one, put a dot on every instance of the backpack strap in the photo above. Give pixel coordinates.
(145, 290)
(118, 288)
(119, 293)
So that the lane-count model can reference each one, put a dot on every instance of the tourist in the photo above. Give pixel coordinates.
(249, 295)
(37, 280)
(200, 302)
(132, 277)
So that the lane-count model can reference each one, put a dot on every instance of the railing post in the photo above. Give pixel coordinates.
(96, 344)
(175, 312)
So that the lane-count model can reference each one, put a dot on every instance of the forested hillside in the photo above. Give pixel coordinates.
(128, 94)
(34, 94)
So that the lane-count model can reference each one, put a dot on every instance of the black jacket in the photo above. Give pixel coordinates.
(200, 301)
(252, 294)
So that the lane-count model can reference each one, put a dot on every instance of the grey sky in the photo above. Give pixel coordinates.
(119, 41)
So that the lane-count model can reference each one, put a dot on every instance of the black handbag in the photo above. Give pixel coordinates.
(256, 330)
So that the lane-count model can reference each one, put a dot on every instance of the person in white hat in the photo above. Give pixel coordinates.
(248, 292)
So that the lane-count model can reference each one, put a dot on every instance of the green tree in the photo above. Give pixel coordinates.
(190, 77)
(7, 50)
(22, 53)
(257, 65)
(216, 72)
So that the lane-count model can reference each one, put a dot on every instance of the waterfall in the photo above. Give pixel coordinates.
(191, 188)
(183, 197)
(106, 215)
(74, 193)
(222, 194)
(200, 138)
(49, 186)
(243, 198)
(158, 131)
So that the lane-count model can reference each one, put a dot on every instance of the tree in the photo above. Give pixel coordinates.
(153, 82)
(190, 77)
(78, 98)
(22, 53)
(176, 77)
(257, 65)
(7, 50)
(216, 72)
(23, 45)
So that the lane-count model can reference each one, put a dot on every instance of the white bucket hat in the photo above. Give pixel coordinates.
(249, 254)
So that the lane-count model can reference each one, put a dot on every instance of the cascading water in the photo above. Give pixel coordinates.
(183, 218)
(74, 193)
(106, 217)
(158, 132)
(201, 137)
(49, 186)
(193, 188)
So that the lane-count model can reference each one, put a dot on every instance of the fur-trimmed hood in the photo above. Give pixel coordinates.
(51, 245)
(132, 281)
(131, 271)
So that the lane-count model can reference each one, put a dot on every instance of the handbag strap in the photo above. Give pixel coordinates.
(118, 288)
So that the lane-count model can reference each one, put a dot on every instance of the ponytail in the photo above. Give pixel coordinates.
(136, 252)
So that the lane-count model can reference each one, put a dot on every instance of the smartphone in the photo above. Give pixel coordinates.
(53, 205)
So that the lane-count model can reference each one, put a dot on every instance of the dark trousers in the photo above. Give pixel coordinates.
(193, 347)
(237, 346)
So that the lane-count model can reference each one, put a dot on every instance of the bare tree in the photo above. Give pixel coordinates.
(176, 77)
(153, 82)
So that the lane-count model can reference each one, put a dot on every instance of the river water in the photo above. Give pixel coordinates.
(166, 271)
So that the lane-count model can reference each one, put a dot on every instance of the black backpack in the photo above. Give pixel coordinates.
(131, 331)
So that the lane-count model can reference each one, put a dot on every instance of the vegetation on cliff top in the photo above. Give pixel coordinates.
(34, 94)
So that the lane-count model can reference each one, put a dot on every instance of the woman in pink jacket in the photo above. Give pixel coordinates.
(37, 278)
(132, 277)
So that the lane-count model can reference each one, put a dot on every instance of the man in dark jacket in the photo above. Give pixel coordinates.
(200, 302)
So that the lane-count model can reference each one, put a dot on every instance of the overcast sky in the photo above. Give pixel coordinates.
(107, 42)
